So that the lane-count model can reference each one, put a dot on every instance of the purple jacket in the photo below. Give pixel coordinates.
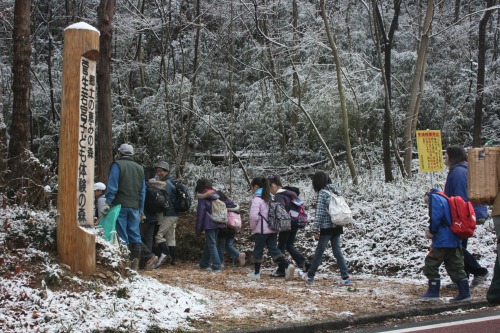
(203, 221)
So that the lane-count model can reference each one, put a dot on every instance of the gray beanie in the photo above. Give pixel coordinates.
(126, 149)
(164, 165)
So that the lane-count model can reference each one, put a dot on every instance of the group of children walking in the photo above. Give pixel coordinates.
(264, 191)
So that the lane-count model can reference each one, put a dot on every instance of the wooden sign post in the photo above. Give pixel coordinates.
(75, 200)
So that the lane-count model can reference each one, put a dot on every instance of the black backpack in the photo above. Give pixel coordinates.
(157, 200)
(183, 202)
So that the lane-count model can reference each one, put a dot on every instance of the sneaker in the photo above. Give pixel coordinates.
(150, 264)
(451, 286)
(478, 279)
(346, 282)
(253, 276)
(241, 259)
(160, 261)
(303, 276)
(289, 271)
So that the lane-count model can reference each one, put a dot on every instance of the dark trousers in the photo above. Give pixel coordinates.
(493, 294)
(286, 242)
(147, 238)
(471, 265)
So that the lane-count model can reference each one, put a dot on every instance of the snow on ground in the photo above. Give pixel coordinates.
(387, 243)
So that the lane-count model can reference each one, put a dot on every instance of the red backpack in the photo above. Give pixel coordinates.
(463, 217)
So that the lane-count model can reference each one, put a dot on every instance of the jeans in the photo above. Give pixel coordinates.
(225, 240)
(471, 264)
(210, 257)
(286, 242)
(127, 226)
(266, 240)
(337, 253)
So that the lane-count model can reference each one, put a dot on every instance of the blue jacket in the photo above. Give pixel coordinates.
(456, 184)
(203, 221)
(440, 222)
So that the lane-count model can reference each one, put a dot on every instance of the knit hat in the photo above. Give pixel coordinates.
(99, 186)
(126, 149)
(164, 165)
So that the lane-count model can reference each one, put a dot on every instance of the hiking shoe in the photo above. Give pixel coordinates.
(303, 276)
(253, 276)
(241, 259)
(203, 269)
(289, 271)
(161, 260)
(451, 286)
(346, 282)
(478, 279)
(150, 264)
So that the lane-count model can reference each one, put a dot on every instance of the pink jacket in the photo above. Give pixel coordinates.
(257, 224)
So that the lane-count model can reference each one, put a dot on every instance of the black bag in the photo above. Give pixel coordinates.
(157, 200)
(183, 201)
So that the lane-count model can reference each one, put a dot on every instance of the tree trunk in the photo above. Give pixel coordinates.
(104, 155)
(387, 40)
(412, 112)
(481, 64)
(20, 127)
(188, 123)
(345, 119)
(3, 142)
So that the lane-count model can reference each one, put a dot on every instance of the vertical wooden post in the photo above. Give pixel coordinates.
(75, 200)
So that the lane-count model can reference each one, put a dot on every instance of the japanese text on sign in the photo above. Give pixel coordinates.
(85, 191)
(430, 151)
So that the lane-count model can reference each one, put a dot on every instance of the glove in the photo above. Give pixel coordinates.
(105, 209)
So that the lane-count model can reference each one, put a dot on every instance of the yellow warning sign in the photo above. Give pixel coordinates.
(430, 151)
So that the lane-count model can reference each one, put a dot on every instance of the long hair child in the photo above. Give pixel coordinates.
(325, 231)
(286, 239)
(264, 235)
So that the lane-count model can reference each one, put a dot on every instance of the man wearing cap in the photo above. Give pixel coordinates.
(126, 187)
(167, 220)
(100, 199)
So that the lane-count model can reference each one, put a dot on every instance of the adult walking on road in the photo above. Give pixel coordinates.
(493, 294)
(126, 187)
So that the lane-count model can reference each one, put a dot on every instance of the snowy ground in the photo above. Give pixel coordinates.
(384, 250)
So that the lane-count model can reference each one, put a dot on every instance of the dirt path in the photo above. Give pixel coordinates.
(241, 303)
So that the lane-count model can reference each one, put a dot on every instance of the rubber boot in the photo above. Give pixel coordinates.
(432, 291)
(463, 292)
(173, 254)
(135, 255)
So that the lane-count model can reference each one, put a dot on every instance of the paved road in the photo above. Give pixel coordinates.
(481, 322)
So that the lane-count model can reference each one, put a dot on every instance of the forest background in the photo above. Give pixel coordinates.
(255, 87)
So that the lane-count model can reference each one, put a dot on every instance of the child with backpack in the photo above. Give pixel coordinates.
(205, 194)
(325, 231)
(264, 235)
(225, 238)
(446, 248)
(286, 239)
